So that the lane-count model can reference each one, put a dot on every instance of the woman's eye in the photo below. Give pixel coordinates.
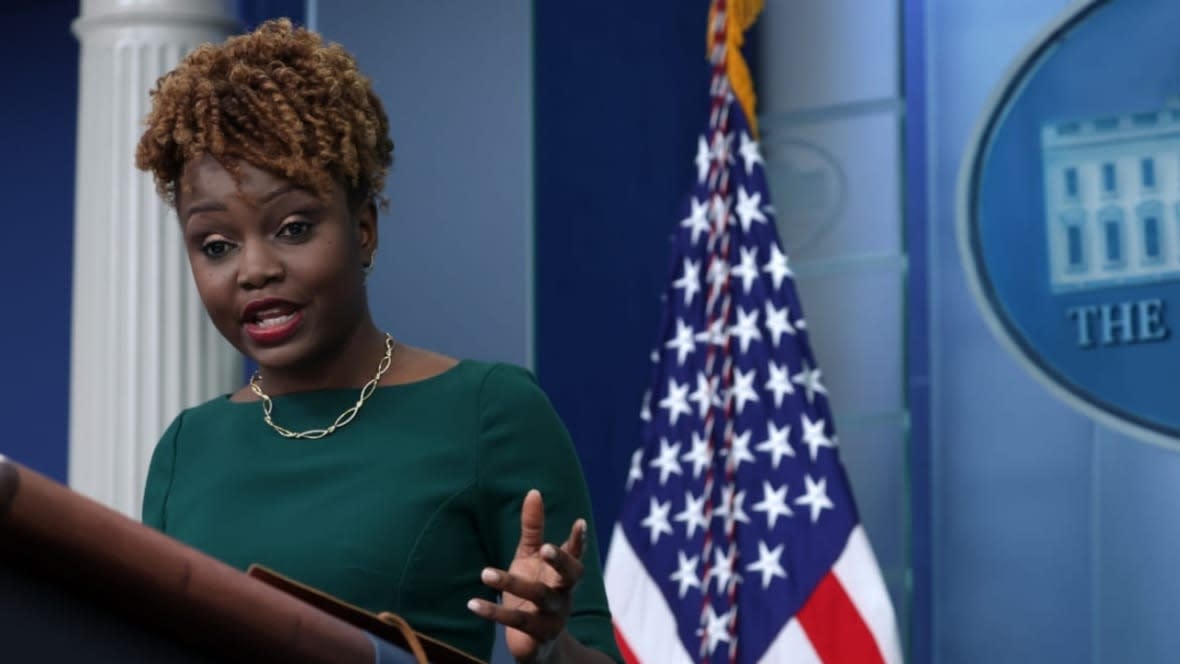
(295, 229)
(215, 248)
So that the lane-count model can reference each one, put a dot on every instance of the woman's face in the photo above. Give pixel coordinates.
(278, 269)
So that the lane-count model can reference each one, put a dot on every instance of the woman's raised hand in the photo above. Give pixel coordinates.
(537, 588)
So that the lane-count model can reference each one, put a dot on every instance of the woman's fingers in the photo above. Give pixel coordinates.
(575, 544)
(569, 569)
(544, 597)
(537, 588)
(541, 626)
(532, 523)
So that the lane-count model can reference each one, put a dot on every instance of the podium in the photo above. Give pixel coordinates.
(82, 583)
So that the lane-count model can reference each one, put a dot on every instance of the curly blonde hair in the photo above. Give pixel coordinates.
(278, 98)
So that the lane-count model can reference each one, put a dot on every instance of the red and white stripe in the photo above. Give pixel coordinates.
(848, 618)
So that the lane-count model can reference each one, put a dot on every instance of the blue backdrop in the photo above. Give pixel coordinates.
(39, 115)
(621, 94)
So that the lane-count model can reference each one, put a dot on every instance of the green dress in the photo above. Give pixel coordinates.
(398, 511)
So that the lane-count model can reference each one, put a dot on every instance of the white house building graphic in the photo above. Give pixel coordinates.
(1112, 199)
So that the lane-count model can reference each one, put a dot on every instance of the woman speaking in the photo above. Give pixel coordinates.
(389, 476)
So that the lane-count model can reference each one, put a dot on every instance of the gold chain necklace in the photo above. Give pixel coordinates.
(344, 418)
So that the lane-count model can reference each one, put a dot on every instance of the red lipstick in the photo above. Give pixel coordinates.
(270, 321)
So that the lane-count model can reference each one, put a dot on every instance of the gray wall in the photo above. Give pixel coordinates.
(454, 264)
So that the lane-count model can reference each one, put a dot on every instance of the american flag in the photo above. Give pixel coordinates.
(739, 540)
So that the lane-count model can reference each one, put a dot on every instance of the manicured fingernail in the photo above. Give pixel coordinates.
(490, 576)
(548, 552)
(473, 606)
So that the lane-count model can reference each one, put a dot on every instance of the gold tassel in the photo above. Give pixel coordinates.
(741, 15)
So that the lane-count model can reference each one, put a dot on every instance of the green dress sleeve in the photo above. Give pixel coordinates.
(523, 445)
(159, 478)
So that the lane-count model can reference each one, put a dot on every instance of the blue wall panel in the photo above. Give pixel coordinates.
(917, 360)
(1011, 465)
(1137, 536)
(37, 130)
(253, 12)
(621, 94)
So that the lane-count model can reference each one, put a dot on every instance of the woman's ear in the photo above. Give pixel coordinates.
(366, 226)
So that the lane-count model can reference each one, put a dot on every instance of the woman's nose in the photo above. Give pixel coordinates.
(259, 266)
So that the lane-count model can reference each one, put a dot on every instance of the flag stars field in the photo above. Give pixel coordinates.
(779, 383)
(816, 496)
(743, 388)
(703, 159)
(814, 437)
(746, 330)
(657, 520)
(705, 395)
(717, 274)
(773, 504)
(676, 402)
(739, 452)
(777, 322)
(714, 334)
(776, 444)
(716, 629)
(693, 516)
(768, 564)
(749, 209)
(747, 270)
(750, 154)
(809, 379)
(777, 266)
(723, 573)
(697, 221)
(635, 473)
(699, 455)
(729, 508)
(683, 343)
(686, 573)
(734, 392)
(667, 462)
(721, 152)
(689, 281)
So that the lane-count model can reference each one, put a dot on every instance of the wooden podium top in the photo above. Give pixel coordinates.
(125, 567)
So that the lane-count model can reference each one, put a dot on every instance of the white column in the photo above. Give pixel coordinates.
(141, 348)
